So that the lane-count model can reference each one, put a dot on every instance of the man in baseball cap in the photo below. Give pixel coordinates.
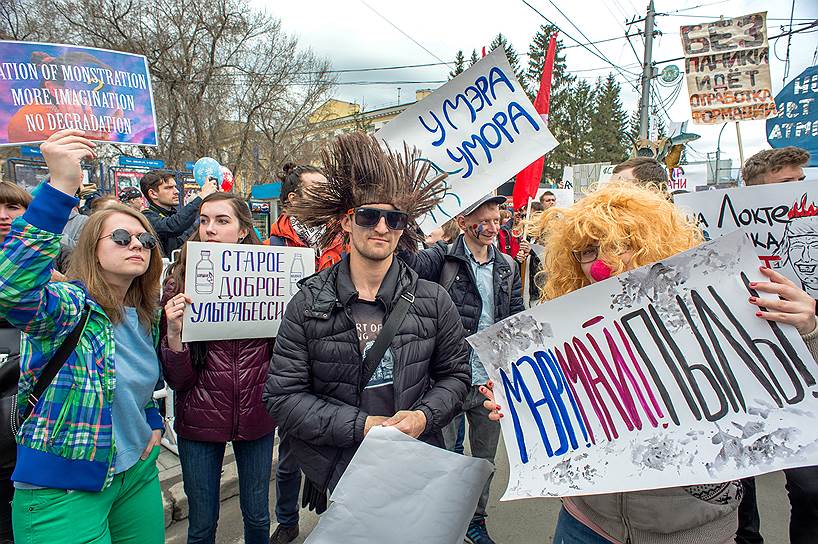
(132, 197)
(485, 286)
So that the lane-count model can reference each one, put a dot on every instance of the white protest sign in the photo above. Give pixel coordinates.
(659, 377)
(432, 501)
(780, 218)
(568, 177)
(480, 128)
(605, 174)
(565, 197)
(687, 177)
(240, 290)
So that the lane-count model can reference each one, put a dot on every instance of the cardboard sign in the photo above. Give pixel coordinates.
(780, 218)
(659, 377)
(480, 128)
(797, 121)
(727, 66)
(45, 88)
(240, 290)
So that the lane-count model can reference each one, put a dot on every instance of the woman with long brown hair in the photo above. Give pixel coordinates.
(86, 456)
(218, 388)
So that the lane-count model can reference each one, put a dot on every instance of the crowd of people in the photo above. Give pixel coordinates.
(376, 337)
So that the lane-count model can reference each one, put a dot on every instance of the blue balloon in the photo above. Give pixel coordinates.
(207, 168)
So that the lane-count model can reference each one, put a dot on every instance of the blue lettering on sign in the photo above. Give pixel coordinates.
(550, 392)
(461, 110)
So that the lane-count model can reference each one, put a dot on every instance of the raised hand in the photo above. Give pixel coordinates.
(63, 153)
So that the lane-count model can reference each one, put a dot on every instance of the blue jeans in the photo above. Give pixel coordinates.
(288, 484)
(570, 531)
(802, 488)
(459, 422)
(201, 472)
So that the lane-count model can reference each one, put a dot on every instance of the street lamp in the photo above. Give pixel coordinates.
(718, 154)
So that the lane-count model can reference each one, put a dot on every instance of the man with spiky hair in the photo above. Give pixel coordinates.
(365, 342)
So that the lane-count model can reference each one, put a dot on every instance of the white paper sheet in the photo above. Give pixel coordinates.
(402, 491)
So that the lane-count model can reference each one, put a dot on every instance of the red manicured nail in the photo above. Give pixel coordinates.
(753, 283)
(758, 314)
(753, 299)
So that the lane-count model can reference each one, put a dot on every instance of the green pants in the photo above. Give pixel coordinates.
(128, 511)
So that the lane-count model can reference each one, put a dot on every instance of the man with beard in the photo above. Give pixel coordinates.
(365, 342)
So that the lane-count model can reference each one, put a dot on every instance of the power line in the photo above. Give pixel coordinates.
(393, 25)
(602, 55)
(584, 46)
(789, 42)
(809, 26)
(694, 7)
(716, 17)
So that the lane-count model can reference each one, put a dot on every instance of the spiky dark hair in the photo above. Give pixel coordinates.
(360, 170)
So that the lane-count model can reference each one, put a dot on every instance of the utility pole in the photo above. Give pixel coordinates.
(647, 73)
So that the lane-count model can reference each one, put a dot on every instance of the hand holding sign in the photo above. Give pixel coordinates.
(174, 312)
(795, 307)
(63, 152)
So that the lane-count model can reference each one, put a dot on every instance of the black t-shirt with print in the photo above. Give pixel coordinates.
(378, 398)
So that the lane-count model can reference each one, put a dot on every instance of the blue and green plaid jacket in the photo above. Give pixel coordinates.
(67, 442)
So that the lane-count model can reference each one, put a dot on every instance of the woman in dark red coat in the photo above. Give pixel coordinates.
(218, 388)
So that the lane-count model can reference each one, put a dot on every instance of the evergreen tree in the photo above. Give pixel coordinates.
(560, 122)
(513, 59)
(608, 123)
(474, 57)
(571, 126)
(658, 121)
(459, 65)
(633, 127)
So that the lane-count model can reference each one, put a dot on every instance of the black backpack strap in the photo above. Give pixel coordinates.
(388, 331)
(55, 364)
(449, 272)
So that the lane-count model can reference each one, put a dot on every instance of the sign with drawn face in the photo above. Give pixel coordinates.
(658, 377)
(240, 290)
(480, 128)
(780, 218)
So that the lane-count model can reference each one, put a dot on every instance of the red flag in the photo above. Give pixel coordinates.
(528, 180)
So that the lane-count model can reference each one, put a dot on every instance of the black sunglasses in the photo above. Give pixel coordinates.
(370, 217)
(123, 238)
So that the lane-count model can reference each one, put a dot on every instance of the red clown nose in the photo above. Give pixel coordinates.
(600, 271)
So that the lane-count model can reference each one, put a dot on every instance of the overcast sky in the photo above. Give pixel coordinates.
(352, 35)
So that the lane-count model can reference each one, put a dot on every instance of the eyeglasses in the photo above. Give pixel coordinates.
(587, 255)
(370, 217)
(122, 237)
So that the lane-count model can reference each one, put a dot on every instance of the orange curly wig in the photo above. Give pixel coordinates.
(619, 216)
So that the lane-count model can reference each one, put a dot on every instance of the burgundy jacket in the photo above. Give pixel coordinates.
(221, 401)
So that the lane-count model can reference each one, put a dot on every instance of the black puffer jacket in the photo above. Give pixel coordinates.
(314, 386)
(429, 265)
(174, 226)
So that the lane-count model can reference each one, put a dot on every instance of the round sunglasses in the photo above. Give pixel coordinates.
(122, 237)
(370, 217)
